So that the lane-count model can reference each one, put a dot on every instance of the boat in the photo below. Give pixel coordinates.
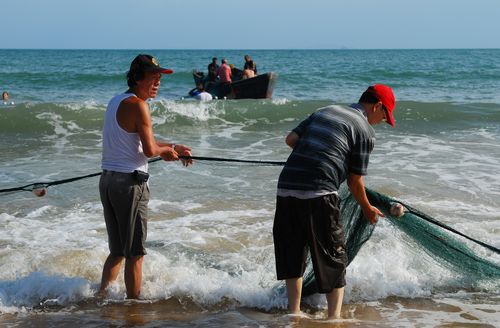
(259, 87)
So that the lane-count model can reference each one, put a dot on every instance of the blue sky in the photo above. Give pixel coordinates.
(256, 24)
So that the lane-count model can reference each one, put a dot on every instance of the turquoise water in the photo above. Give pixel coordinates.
(211, 259)
(339, 75)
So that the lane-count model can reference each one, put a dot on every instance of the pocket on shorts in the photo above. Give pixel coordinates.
(337, 237)
(338, 242)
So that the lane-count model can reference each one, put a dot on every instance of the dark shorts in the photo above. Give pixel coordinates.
(310, 224)
(125, 202)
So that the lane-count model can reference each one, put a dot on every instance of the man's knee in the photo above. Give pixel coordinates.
(135, 260)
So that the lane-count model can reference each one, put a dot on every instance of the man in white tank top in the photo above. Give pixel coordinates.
(128, 142)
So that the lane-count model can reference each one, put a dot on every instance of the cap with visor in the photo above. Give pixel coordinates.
(148, 63)
(385, 95)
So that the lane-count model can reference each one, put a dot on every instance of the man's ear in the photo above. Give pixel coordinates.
(378, 106)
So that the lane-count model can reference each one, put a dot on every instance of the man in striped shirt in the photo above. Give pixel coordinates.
(329, 147)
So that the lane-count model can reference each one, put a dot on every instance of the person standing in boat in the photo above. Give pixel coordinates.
(248, 72)
(127, 143)
(212, 70)
(329, 147)
(250, 64)
(225, 77)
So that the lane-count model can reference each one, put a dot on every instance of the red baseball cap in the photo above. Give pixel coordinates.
(385, 95)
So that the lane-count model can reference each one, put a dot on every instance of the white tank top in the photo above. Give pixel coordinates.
(121, 150)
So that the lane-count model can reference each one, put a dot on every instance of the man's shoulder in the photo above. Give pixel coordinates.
(333, 110)
(333, 107)
(344, 111)
(133, 105)
(345, 114)
(122, 96)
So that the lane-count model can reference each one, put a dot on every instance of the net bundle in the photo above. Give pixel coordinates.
(441, 242)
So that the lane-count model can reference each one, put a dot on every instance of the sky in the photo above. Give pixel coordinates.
(256, 24)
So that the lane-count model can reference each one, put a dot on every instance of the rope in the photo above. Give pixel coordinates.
(218, 159)
(36, 185)
(447, 227)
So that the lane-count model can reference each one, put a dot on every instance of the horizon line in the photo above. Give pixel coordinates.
(246, 49)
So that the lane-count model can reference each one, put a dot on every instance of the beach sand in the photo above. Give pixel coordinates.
(390, 312)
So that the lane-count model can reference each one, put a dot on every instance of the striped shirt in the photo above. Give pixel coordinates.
(333, 142)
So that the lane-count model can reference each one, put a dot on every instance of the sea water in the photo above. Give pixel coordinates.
(210, 255)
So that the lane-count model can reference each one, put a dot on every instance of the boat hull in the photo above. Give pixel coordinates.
(258, 87)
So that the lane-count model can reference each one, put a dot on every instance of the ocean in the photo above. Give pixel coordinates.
(210, 259)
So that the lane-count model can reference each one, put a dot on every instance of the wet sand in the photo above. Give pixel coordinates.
(390, 312)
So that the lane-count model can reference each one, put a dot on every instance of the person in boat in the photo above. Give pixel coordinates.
(250, 64)
(224, 72)
(236, 73)
(248, 72)
(199, 93)
(329, 147)
(212, 70)
(225, 77)
(127, 143)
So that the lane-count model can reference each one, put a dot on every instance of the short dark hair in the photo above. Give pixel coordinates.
(368, 97)
(133, 76)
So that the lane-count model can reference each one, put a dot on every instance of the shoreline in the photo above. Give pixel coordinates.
(392, 311)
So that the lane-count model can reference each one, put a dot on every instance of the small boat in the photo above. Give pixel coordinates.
(258, 87)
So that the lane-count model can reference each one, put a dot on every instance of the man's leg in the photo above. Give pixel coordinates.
(294, 293)
(133, 276)
(334, 299)
(110, 271)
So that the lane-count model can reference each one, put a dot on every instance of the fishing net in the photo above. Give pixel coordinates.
(440, 241)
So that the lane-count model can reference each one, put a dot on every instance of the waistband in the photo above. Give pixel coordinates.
(108, 172)
(137, 175)
(304, 194)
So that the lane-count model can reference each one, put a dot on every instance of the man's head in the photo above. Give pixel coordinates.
(143, 64)
(381, 102)
(214, 60)
(5, 96)
(224, 61)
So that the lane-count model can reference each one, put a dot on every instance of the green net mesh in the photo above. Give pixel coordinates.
(441, 242)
